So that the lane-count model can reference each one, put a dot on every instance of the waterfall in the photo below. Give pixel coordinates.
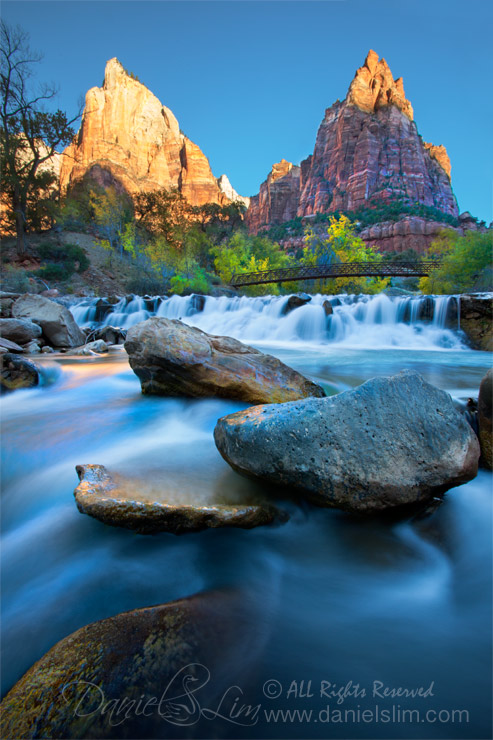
(372, 322)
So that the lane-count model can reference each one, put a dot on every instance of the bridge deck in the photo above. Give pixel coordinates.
(340, 269)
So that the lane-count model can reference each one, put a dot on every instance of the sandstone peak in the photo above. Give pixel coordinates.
(280, 169)
(228, 190)
(439, 153)
(129, 139)
(374, 87)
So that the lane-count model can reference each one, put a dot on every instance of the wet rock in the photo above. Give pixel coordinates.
(172, 359)
(171, 648)
(32, 348)
(100, 496)
(109, 334)
(6, 307)
(485, 421)
(16, 372)
(91, 348)
(426, 309)
(391, 442)
(295, 301)
(47, 349)
(9, 346)
(56, 321)
(20, 331)
(476, 320)
(197, 302)
(103, 307)
(327, 307)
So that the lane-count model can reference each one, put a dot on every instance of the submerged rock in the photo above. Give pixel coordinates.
(91, 683)
(295, 301)
(485, 421)
(327, 307)
(172, 359)
(391, 442)
(56, 321)
(99, 496)
(16, 372)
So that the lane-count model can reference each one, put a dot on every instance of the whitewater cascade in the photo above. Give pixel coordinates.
(381, 321)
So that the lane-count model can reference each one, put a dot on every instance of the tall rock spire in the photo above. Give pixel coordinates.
(129, 138)
(374, 87)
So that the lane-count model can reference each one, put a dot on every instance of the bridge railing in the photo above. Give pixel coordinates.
(341, 269)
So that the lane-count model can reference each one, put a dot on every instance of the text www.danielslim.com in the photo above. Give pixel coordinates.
(394, 714)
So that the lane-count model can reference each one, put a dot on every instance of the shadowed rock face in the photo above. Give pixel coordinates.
(476, 315)
(391, 442)
(367, 148)
(201, 645)
(172, 359)
(99, 496)
(485, 420)
(127, 133)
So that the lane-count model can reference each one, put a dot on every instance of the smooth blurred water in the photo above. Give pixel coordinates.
(339, 598)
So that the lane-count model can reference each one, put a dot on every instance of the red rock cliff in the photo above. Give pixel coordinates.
(129, 137)
(367, 149)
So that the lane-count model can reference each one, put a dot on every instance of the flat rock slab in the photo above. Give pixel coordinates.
(99, 496)
(173, 359)
(391, 442)
(89, 684)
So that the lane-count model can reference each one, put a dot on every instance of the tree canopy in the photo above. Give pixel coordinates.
(29, 136)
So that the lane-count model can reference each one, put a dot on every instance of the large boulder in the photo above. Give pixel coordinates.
(391, 442)
(56, 321)
(136, 674)
(172, 359)
(485, 422)
(476, 320)
(17, 372)
(100, 496)
(20, 331)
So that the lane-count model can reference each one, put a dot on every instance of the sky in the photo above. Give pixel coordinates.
(249, 81)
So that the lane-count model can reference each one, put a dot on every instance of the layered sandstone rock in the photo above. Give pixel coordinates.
(367, 150)
(129, 138)
(278, 198)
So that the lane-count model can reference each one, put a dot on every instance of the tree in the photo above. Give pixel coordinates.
(340, 244)
(29, 135)
(465, 263)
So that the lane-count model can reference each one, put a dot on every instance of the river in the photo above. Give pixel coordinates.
(336, 598)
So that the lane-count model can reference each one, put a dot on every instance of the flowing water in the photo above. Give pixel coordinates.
(335, 598)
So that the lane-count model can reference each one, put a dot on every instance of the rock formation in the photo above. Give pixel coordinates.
(57, 323)
(278, 198)
(391, 442)
(128, 138)
(106, 499)
(367, 151)
(92, 682)
(485, 420)
(173, 359)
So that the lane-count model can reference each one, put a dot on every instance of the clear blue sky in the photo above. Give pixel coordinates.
(249, 81)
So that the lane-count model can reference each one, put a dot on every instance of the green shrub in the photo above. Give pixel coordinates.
(15, 280)
(54, 271)
(145, 285)
(61, 261)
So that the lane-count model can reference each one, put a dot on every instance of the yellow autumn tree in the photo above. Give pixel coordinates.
(340, 243)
